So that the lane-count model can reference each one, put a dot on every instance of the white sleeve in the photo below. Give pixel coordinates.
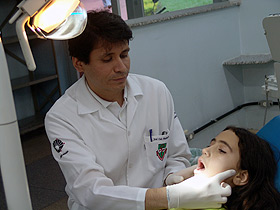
(86, 182)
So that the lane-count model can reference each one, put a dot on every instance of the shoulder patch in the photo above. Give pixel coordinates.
(58, 146)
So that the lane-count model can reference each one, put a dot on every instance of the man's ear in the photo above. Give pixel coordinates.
(241, 178)
(79, 65)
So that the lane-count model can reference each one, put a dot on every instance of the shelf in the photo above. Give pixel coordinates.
(14, 39)
(43, 91)
(30, 123)
(249, 60)
(26, 81)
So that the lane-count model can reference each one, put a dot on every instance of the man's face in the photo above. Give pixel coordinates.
(108, 69)
(222, 154)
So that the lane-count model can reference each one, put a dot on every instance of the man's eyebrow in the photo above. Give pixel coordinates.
(108, 53)
(126, 50)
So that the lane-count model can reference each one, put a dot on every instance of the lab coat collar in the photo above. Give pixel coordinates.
(88, 104)
(133, 87)
(100, 100)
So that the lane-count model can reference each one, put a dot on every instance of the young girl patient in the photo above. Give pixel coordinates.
(252, 157)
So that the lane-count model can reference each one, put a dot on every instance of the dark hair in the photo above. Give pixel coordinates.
(257, 157)
(102, 27)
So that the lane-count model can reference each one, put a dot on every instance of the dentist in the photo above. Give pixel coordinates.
(116, 136)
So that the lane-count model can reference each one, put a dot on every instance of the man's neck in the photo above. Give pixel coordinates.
(110, 96)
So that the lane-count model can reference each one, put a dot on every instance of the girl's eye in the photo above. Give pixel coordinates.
(222, 151)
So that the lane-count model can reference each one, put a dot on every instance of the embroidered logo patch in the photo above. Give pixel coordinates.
(161, 151)
(58, 145)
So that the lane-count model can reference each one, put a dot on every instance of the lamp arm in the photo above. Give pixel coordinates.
(11, 155)
(23, 41)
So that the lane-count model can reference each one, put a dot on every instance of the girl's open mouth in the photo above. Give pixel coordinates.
(200, 166)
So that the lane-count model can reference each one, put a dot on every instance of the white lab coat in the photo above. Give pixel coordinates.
(107, 165)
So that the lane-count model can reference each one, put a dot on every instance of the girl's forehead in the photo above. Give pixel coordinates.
(229, 137)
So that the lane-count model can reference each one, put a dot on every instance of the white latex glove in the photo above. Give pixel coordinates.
(173, 179)
(199, 192)
(179, 176)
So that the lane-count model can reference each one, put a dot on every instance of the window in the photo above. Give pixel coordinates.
(130, 9)
(152, 7)
(141, 8)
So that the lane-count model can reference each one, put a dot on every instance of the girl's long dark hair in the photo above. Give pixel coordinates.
(257, 157)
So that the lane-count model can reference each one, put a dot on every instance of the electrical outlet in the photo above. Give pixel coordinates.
(265, 103)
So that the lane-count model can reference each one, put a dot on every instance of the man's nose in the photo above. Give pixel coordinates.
(120, 66)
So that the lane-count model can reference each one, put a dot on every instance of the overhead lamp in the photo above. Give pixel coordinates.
(44, 23)
(52, 19)
(49, 19)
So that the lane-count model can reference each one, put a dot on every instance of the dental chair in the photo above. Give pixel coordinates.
(271, 133)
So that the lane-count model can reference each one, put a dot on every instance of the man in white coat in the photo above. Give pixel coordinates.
(116, 136)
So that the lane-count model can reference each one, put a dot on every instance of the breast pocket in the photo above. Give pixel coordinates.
(156, 151)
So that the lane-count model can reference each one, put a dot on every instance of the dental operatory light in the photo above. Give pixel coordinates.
(51, 26)
(51, 19)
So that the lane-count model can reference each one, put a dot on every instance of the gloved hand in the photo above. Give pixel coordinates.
(173, 179)
(199, 192)
(179, 176)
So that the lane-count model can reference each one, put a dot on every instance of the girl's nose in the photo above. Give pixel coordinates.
(206, 151)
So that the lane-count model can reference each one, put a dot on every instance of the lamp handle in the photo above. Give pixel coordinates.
(23, 41)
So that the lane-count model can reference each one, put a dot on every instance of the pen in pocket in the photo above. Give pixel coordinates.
(151, 135)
